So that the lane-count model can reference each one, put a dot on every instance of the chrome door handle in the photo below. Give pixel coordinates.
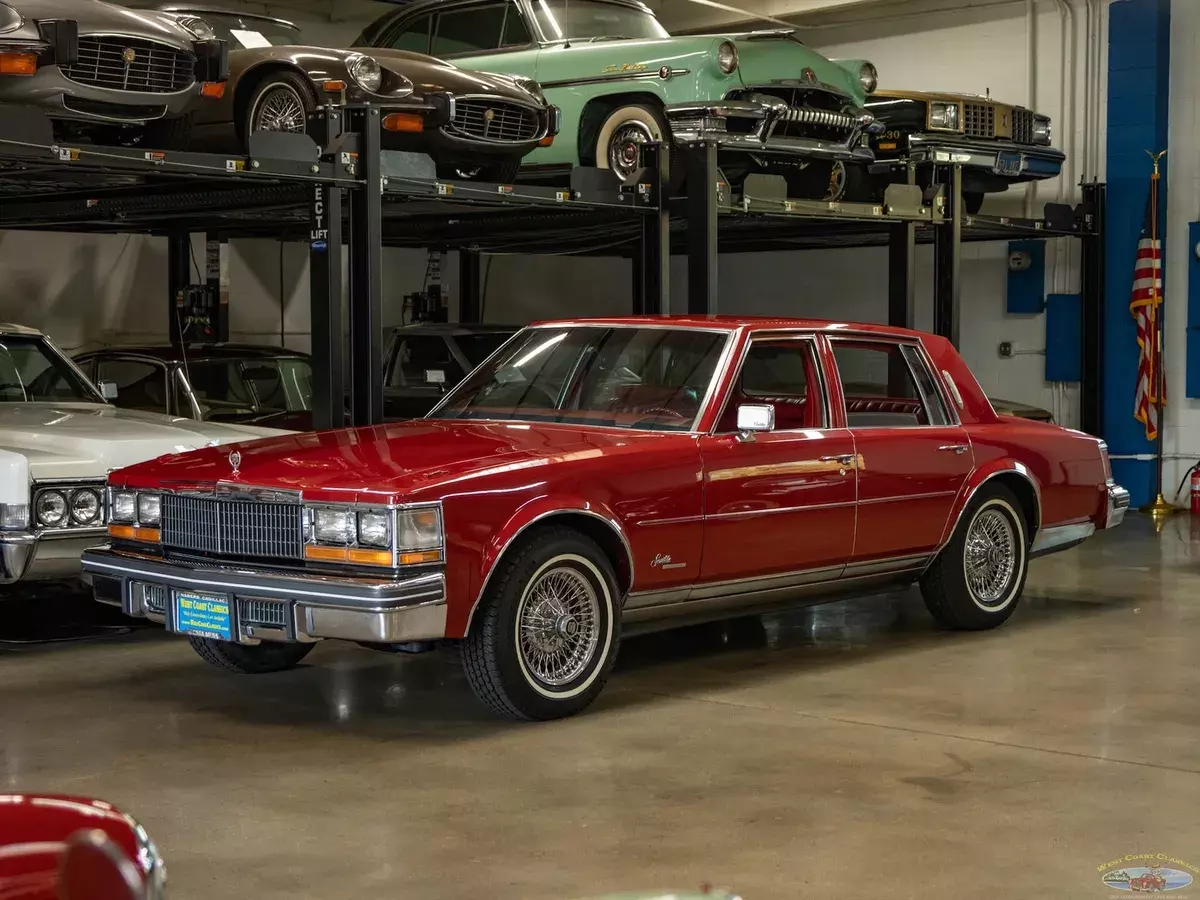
(959, 449)
(844, 459)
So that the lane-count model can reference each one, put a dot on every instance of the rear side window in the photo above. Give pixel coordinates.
(414, 36)
(469, 30)
(887, 385)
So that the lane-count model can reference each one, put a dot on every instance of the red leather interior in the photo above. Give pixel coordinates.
(646, 399)
(884, 405)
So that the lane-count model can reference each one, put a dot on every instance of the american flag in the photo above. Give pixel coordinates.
(1145, 306)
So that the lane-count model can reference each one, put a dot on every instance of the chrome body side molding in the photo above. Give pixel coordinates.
(1061, 537)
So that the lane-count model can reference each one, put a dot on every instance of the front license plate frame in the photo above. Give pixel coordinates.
(203, 615)
(1009, 164)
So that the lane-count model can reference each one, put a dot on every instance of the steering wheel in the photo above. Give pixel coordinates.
(655, 413)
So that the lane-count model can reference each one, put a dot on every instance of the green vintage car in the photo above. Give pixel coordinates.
(767, 100)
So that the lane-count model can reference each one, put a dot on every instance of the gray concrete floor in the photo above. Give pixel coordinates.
(851, 750)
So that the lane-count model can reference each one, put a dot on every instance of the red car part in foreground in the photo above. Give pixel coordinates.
(72, 848)
(603, 473)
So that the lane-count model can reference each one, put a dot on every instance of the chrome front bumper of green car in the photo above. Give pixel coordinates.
(708, 122)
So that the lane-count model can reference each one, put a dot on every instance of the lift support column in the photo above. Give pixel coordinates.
(366, 275)
(325, 290)
(947, 258)
(702, 178)
(652, 260)
(470, 286)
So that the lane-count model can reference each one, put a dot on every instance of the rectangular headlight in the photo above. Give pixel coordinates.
(945, 116)
(375, 528)
(149, 509)
(124, 507)
(419, 535)
(333, 526)
(1043, 133)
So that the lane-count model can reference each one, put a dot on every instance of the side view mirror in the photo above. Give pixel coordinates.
(108, 389)
(754, 417)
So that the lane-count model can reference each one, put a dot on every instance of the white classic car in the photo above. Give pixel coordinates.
(59, 439)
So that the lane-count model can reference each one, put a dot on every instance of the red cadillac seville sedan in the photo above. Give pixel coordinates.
(608, 473)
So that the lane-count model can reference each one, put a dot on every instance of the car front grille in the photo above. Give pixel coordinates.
(269, 613)
(493, 120)
(812, 113)
(979, 120)
(130, 64)
(233, 528)
(1022, 126)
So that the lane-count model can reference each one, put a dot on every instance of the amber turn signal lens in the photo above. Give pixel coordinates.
(334, 87)
(546, 141)
(371, 557)
(409, 123)
(213, 90)
(18, 63)
(356, 555)
(130, 533)
(416, 557)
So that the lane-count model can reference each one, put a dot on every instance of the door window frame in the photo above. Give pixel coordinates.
(101, 359)
(435, 17)
(387, 40)
(822, 386)
(916, 355)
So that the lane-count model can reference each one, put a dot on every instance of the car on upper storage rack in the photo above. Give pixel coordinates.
(58, 440)
(474, 124)
(606, 471)
(997, 144)
(99, 69)
(768, 101)
(224, 382)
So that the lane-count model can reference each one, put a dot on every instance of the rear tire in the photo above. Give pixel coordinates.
(245, 659)
(977, 579)
(546, 634)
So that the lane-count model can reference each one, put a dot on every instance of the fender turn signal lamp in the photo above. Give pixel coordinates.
(18, 63)
(546, 141)
(213, 90)
(406, 123)
(334, 87)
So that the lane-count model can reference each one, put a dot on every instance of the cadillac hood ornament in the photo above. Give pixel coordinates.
(235, 461)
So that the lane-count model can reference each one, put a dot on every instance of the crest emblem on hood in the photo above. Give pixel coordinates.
(235, 461)
(129, 55)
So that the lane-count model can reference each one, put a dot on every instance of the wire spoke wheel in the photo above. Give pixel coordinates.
(990, 557)
(558, 625)
(280, 109)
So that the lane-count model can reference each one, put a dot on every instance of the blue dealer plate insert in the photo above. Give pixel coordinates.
(204, 615)
(1009, 163)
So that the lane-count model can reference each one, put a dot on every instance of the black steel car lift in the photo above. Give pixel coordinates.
(337, 186)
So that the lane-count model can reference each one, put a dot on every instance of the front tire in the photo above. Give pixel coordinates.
(546, 634)
(282, 101)
(244, 659)
(624, 130)
(977, 579)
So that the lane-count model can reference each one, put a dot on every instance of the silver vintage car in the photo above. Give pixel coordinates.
(97, 66)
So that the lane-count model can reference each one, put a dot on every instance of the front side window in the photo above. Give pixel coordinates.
(643, 378)
(31, 371)
(575, 20)
(424, 361)
(880, 387)
(469, 30)
(781, 374)
(414, 36)
(140, 385)
(229, 389)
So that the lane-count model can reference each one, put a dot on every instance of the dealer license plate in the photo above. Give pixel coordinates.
(1009, 164)
(204, 615)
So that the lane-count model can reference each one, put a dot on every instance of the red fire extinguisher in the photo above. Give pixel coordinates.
(1195, 487)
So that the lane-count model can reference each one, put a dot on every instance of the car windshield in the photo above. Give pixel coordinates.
(249, 387)
(478, 347)
(626, 377)
(247, 32)
(581, 20)
(31, 371)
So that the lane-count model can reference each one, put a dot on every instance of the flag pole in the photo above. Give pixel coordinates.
(1161, 507)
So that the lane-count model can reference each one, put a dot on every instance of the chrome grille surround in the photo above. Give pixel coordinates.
(495, 121)
(233, 526)
(155, 68)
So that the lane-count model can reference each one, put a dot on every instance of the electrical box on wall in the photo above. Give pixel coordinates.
(1064, 337)
(1026, 278)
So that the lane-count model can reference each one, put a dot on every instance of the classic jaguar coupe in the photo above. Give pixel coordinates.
(59, 438)
(603, 474)
(768, 101)
(474, 124)
(75, 848)
(97, 66)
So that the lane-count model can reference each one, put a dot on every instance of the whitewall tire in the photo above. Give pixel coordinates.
(623, 130)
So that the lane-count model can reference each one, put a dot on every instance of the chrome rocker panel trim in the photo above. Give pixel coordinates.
(1038, 161)
(371, 610)
(705, 122)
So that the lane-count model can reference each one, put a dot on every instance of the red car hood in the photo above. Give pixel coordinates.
(388, 462)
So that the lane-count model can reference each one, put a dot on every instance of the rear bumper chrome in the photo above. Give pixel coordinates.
(1118, 503)
(303, 608)
(707, 122)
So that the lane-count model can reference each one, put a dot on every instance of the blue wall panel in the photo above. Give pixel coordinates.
(1064, 337)
(1027, 289)
(1138, 101)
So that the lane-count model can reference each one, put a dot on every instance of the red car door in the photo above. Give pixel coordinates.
(778, 504)
(914, 456)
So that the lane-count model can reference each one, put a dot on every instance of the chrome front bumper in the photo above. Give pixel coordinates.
(371, 610)
(1037, 162)
(1118, 503)
(701, 122)
(34, 557)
